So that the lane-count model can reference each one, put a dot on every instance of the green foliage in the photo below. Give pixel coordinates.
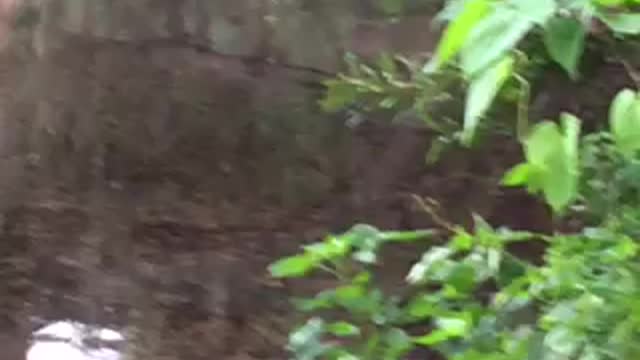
(478, 42)
(470, 297)
(383, 86)
(456, 34)
(377, 322)
(375, 326)
(499, 33)
(551, 162)
(624, 117)
(581, 302)
(591, 296)
(481, 93)
(564, 39)
(610, 166)
(622, 23)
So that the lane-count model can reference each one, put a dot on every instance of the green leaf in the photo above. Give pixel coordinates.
(539, 145)
(430, 258)
(450, 11)
(387, 64)
(571, 129)
(290, 267)
(537, 11)
(510, 236)
(362, 233)
(624, 118)
(363, 278)
(562, 313)
(366, 239)
(625, 249)
(563, 341)
(323, 300)
(481, 226)
(462, 240)
(305, 341)
(462, 278)
(620, 108)
(365, 256)
(479, 264)
(564, 40)
(346, 356)
(311, 329)
(448, 328)
(490, 40)
(423, 306)
(398, 344)
(494, 258)
(389, 102)
(536, 346)
(457, 32)
(482, 91)
(331, 248)
(343, 329)
(512, 272)
(553, 158)
(591, 353)
(457, 326)
(433, 338)
(518, 175)
(561, 180)
(340, 94)
(349, 293)
(610, 3)
(622, 23)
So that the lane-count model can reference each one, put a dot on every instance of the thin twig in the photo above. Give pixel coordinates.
(522, 126)
(631, 71)
(429, 209)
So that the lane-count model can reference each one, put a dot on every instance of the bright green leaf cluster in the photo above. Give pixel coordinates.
(624, 118)
(552, 162)
(361, 242)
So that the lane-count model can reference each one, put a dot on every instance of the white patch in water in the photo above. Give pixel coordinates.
(60, 329)
(64, 342)
(110, 335)
(56, 350)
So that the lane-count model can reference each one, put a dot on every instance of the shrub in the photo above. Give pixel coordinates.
(580, 301)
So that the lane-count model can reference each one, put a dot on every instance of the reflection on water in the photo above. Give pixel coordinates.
(74, 341)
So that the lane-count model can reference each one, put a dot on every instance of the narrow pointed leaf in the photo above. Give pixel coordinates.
(518, 175)
(491, 39)
(457, 32)
(294, 266)
(482, 92)
(561, 180)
